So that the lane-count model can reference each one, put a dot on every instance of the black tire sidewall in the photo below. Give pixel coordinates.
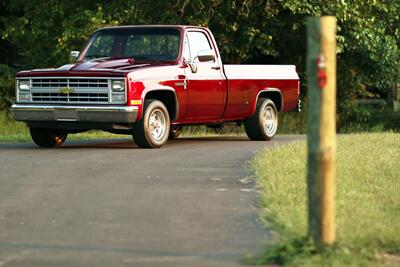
(48, 137)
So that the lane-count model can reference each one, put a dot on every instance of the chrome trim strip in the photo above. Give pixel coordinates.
(79, 108)
(72, 77)
(271, 89)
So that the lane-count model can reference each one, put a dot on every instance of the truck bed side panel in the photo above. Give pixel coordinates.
(245, 82)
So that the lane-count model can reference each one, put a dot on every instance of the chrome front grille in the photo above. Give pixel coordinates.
(70, 90)
(70, 97)
(69, 82)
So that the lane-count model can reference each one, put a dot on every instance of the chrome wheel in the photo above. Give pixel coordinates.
(269, 120)
(153, 129)
(157, 122)
(263, 125)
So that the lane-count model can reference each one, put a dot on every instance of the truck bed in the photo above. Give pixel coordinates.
(245, 82)
(263, 72)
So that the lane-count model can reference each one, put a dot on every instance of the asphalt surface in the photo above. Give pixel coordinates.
(107, 203)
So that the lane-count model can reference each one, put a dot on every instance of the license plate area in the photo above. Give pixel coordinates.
(66, 115)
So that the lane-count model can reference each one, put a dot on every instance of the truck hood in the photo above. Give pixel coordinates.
(111, 64)
(113, 67)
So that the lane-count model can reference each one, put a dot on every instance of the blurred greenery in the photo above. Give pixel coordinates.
(40, 33)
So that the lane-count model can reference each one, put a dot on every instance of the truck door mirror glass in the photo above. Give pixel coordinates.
(73, 56)
(205, 55)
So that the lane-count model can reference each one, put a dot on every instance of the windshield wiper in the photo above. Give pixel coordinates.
(144, 58)
(97, 57)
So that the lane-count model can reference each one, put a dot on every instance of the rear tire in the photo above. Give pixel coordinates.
(264, 123)
(48, 137)
(152, 130)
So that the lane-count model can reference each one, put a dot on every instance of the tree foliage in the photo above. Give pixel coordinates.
(40, 33)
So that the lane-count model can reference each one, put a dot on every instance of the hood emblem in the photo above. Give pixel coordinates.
(66, 90)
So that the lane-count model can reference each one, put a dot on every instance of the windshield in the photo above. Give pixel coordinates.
(156, 44)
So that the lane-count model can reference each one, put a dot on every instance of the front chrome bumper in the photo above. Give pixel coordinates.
(48, 113)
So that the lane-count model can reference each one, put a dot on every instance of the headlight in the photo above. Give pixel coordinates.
(118, 85)
(24, 85)
(24, 97)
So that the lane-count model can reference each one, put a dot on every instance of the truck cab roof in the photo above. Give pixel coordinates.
(181, 27)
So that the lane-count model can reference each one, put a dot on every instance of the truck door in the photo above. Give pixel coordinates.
(206, 86)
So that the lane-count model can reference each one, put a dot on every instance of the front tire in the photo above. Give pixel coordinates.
(48, 137)
(264, 123)
(153, 129)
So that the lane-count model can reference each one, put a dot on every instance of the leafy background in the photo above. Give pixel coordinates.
(40, 33)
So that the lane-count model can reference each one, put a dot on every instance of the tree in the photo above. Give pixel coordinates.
(41, 33)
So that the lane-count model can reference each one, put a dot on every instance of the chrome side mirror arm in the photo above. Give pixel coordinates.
(191, 64)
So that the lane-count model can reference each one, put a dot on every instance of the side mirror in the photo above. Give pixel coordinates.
(206, 55)
(73, 56)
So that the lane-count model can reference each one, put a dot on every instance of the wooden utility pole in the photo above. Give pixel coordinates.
(321, 177)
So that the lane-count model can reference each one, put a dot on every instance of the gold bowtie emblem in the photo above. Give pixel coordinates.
(66, 90)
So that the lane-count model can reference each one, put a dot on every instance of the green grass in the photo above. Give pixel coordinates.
(368, 203)
(11, 131)
(292, 123)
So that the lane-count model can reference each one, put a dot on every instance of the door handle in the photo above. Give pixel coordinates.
(184, 84)
(216, 67)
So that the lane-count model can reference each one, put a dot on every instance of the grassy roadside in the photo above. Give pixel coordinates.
(11, 131)
(368, 201)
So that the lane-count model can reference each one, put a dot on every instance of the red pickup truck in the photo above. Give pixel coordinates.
(150, 81)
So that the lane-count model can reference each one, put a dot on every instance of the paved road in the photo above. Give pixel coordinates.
(107, 203)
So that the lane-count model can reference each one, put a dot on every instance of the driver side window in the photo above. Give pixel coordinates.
(195, 41)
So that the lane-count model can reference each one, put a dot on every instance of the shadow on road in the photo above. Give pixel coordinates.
(125, 143)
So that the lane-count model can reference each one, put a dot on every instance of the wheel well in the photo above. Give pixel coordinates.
(275, 96)
(168, 99)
